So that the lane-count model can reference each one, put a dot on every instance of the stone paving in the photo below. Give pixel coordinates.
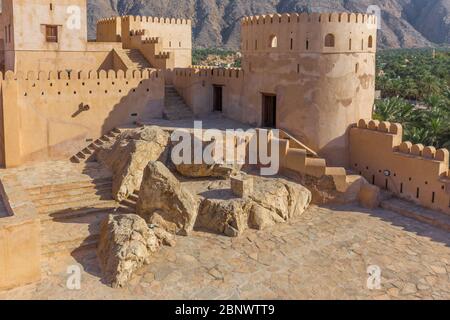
(322, 255)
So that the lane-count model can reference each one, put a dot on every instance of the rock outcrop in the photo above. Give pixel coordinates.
(272, 201)
(126, 243)
(207, 171)
(129, 154)
(163, 201)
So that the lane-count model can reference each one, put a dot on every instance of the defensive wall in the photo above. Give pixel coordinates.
(54, 115)
(411, 171)
(157, 38)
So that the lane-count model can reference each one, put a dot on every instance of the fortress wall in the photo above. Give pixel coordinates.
(175, 36)
(414, 172)
(196, 86)
(109, 30)
(44, 117)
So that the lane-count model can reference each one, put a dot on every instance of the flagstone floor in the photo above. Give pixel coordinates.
(323, 255)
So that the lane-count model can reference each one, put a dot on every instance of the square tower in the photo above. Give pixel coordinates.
(34, 32)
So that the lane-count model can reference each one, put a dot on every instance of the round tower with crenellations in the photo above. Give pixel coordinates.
(320, 68)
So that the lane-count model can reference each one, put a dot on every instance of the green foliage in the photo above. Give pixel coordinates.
(199, 55)
(415, 90)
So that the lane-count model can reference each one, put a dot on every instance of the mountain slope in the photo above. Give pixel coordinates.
(405, 23)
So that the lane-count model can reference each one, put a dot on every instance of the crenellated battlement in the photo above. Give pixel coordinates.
(413, 171)
(80, 75)
(111, 20)
(151, 40)
(140, 32)
(343, 17)
(406, 148)
(309, 33)
(163, 55)
(205, 71)
(156, 20)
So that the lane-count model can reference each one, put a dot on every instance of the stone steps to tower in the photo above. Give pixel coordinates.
(67, 190)
(88, 153)
(175, 107)
(133, 59)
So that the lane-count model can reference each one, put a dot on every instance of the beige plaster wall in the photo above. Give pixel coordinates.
(413, 172)
(41, 119)
(20, 245)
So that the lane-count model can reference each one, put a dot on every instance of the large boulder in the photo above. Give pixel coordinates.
(129, 154)
(163, 201)
(126, 243)
(272, 201)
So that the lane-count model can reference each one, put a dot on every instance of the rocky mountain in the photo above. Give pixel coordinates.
(405, 23)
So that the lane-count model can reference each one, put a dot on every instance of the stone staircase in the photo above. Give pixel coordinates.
(71, 213)
(88, 153)
(133, 59)
(174, 106)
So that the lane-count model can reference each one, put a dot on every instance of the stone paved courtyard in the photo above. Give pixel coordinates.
(323, 255)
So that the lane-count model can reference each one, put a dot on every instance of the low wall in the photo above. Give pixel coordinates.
(413, 172)
(20, 245)
(50, 116)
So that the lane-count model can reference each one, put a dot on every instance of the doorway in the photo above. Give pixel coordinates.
(217, 98)
(269, 111)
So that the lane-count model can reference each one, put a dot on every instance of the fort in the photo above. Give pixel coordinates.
(310, 75)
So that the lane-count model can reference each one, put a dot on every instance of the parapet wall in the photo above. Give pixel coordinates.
(411, 171)
(53, 115)
(346, 32)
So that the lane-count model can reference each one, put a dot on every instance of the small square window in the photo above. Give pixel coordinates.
(51, 33)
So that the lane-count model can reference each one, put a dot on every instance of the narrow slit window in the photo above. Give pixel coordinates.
(370, 44)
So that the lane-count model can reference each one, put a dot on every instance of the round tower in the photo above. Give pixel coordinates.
(320, 68)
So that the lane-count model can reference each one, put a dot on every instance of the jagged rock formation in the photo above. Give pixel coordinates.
(128, 155)
(406, 23)
(126, 243)
(163, 201)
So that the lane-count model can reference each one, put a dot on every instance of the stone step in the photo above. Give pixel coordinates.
(411, 210)
(74, 234)
(74, 196)
(68, 186)
(72, 213)
(84, 189)
(81, 203)
(129, 204)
